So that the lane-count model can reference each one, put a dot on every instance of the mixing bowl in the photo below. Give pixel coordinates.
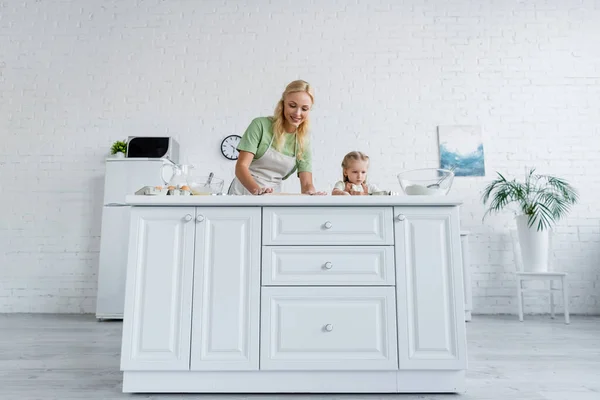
(426, 181)
(199, 185)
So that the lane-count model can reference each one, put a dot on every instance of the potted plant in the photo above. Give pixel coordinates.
(542, 200)
(118, 149)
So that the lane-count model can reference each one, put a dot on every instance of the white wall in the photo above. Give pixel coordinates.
(77, 75)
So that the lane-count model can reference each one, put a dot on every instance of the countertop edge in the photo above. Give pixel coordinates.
(291, 200)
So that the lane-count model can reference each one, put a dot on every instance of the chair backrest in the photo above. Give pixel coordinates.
(514, 236)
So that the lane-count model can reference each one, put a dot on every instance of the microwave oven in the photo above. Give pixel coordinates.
(152, 147)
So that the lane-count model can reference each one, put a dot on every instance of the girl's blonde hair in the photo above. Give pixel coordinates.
(349, 158)
(279, 118)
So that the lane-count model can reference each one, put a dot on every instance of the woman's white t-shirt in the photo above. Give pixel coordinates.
(357, 188)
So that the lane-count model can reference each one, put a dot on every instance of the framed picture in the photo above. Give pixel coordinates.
(461, 148)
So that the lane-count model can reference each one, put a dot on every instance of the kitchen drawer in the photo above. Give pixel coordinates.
(328, 265)
(328, 328)
(328, 226)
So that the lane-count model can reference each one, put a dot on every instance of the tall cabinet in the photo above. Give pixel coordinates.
(428, 286)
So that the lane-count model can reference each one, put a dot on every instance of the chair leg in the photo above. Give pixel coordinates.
(565, 291)
(520, 299)
(551, 300)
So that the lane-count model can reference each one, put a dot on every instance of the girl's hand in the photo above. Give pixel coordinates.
(364, 192)
(338, 192)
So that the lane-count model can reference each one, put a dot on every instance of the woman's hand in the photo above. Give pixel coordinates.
(262, 190)
(313, 192)
(307, 186)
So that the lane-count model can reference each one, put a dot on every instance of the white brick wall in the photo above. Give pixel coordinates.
(77, 75)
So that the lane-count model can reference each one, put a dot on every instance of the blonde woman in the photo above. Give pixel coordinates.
(273, 148)
(355, 166)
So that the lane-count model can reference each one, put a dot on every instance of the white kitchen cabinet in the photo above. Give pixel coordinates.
(225, 325)
(466, 264)
(429, 289)
(158, 302)
(281, 294)
(112, 262)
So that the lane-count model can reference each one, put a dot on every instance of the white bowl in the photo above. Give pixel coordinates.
(198, 186)
(426, 181)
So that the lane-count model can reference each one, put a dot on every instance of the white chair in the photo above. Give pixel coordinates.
(550, 276)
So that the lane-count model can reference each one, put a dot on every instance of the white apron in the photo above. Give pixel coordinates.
(268, 171)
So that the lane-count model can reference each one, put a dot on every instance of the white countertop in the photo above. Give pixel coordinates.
(292, 200)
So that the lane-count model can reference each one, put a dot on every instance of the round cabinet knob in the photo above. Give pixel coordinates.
(328, 225)
(188, 217)
(200, 218)
(328, 265)
(400, 217)
(328, 327)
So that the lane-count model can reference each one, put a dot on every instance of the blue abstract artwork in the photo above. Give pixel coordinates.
(461, 148)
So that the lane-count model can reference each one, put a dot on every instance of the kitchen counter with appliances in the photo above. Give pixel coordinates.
(283, 294)
(142, 166)
(122, 177)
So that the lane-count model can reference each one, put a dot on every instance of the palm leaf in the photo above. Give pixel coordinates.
(543, 198)
(506, 192)
(567, 191)
(543, 215)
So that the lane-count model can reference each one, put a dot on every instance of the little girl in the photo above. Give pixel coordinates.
(354, 171)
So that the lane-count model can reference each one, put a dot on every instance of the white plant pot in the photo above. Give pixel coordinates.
(119, 155)
(534, 246)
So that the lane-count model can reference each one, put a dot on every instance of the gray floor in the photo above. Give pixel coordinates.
(76, 357)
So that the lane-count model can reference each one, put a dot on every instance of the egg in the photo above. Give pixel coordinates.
(185, 187)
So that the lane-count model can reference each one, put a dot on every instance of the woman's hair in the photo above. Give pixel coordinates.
(279, 118)
(349, 158)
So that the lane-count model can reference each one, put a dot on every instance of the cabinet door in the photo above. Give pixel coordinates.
(429, 284)
(226, 289)
(158, 302)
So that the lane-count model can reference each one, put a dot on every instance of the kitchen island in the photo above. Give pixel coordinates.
(284, 294)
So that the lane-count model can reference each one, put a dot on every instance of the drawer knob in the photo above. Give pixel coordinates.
(328, 265)
(400, 217)
(188, 217)
(328, 225)
(328, 327)
(200, 218)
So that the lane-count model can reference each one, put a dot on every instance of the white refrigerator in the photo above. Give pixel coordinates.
(123, 177)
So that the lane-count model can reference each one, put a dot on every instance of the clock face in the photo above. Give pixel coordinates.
(229, 147)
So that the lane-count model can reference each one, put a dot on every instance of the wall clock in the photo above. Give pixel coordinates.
(229, 147)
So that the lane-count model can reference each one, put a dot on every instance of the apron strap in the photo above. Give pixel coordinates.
(295, 157)
(291, 172)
